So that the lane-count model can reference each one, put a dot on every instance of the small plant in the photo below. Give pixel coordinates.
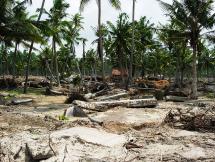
(63, 117)
(211, 95)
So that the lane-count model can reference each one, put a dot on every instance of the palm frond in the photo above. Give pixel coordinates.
(116, 4)
(83, 4)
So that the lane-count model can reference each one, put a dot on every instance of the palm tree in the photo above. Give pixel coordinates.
(91, 62)
(57, 25)
(143, 42)
(119, 38)
(30, 50)
(115, 4)
(194, 16)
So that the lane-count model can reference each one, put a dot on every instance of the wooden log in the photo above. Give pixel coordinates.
(90, 106)
(138, 103)
(113, 97)
(176, 98)
(104, 105)
(21, 101)
(54, 92)
(97, 94)
(89, 95)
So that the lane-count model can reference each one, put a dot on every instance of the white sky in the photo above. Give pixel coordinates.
(148, 8)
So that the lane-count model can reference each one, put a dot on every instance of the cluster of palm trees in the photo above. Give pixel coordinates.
(179, 48)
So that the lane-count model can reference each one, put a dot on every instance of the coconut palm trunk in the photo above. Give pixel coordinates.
(133, 45)
(100, 50)
(194, 73)
(14, 60)
(56, 61)
(30, 51)
(114, 3)
(83, 66)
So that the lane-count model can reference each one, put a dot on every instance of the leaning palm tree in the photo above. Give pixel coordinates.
(31, 48)
(115, 4)
(194, 16)
(57, 25)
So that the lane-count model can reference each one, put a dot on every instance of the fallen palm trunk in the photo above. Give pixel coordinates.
(104, 105)
(90, 106)
(21, 101)
(138, 103)
(57, 92)
(113, 97)
(102, 92)
(93, 95)
(176, 98)
(53, 92)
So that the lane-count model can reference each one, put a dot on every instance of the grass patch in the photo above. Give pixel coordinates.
(63, 118)
(210, 95)
(19, 91)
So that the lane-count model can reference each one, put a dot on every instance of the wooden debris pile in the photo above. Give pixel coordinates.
(157, 84)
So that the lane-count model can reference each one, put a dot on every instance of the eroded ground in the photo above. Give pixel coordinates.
(125, 135)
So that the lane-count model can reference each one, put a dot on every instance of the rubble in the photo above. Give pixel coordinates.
(75, 111)
(74, 144)
(192, 118)
(104, 123)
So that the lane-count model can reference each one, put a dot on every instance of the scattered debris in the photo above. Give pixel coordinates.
(131, 145)
(192, 118)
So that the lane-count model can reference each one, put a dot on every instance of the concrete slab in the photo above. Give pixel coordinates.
(131, 116)
(92, 135)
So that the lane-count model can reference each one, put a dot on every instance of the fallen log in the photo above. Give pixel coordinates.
(104, 105)
(21, 101)
(177, 93)
(89, 95)
(93, 95)
(53, 92)
(176, 98)
(113, 97)
(138, 103)
(90, 106)
(102, 92)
